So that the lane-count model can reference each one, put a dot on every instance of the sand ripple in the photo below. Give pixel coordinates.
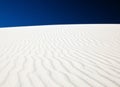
(60, 56)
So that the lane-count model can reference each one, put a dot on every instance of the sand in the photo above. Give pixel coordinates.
(60, 56)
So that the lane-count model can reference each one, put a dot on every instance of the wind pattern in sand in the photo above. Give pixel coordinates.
(63, 56)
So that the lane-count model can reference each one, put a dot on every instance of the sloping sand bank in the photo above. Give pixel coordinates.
(60, 56)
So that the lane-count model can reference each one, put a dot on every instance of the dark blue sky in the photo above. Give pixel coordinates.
(47, 12)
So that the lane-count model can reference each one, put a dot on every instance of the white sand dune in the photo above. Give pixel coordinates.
(60, 56)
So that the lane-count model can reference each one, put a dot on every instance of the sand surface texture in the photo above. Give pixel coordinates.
(60, 56)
